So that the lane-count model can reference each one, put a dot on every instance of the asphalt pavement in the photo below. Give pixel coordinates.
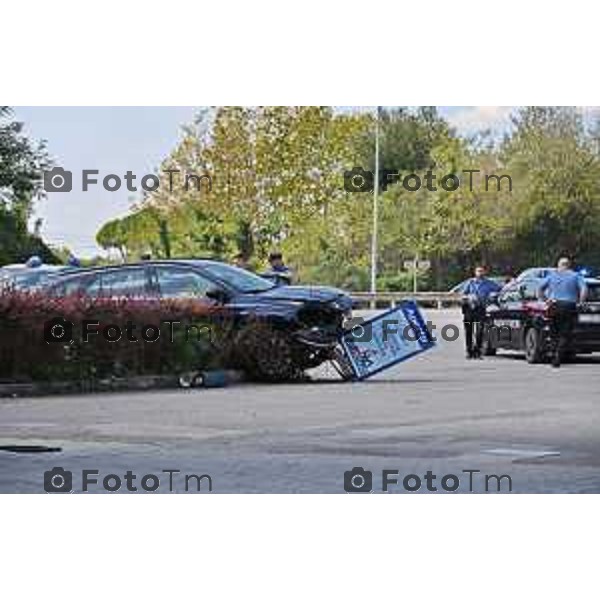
(437, 422)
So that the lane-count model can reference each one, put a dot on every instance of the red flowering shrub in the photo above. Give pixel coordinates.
(43, 338)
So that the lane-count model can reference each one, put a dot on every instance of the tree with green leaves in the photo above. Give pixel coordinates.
(277, 181)
(21, 164)
(554, 159)
(406, 138)
(277, 177)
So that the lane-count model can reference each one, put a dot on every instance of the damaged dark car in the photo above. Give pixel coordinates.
(275, 333)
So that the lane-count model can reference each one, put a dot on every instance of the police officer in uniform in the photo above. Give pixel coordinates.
(279, 271)
(562, 289)
(475, 297)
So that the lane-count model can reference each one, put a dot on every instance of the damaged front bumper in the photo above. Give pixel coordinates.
(319, 337)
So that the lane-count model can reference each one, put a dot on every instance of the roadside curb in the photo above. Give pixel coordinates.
(113, 384)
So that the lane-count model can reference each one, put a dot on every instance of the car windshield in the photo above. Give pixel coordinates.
(241, 280)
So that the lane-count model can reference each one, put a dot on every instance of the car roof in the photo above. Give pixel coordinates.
(193, 262)
(588, 280)
(534, 272)
(17, 268)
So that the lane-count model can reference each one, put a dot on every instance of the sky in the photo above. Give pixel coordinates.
(137, 139)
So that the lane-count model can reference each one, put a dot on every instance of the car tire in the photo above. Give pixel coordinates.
(533, 346)
(266, 354)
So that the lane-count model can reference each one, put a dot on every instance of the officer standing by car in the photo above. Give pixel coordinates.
(562, 289)
(279, 271)
(476, 294)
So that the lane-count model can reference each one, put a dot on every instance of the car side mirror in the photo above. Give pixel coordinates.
(522, 290)
(218, 295)
(493, 297)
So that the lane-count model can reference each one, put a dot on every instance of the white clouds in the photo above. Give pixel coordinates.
(469, 119)
(475, 118)
(590, 111)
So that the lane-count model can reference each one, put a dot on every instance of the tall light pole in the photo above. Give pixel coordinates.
(375, 208)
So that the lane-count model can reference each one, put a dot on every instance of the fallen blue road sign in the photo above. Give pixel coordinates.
(386, 340)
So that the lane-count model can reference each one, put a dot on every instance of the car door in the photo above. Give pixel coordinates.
(119, 282)
(527, 311)
(505, 317)
(84, 283)
(126, 282)
(587, 329)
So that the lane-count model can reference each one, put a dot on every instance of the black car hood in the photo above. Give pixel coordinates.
(302, 293)
(288, 294)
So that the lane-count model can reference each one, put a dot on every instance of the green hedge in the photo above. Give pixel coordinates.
(199, 340)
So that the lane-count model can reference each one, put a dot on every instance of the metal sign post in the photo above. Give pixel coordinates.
(375, 209)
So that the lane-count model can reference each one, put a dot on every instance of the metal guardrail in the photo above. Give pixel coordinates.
(436, 299)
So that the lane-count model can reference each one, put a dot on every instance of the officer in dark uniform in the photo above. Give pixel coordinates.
(475, 297)
(279, 271)
(562, 289)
